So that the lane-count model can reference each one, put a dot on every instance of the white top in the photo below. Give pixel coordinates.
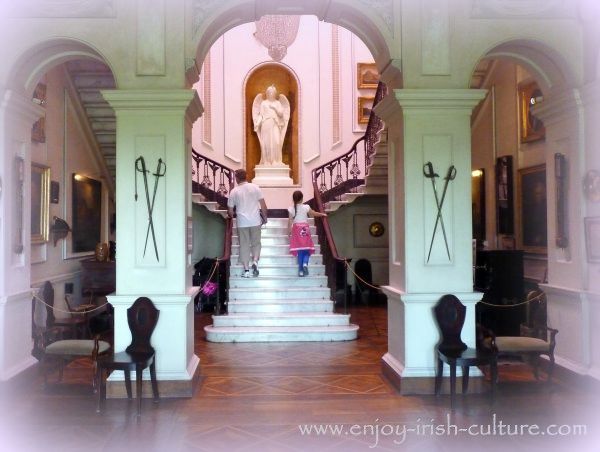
(245, 198)
(301, 213)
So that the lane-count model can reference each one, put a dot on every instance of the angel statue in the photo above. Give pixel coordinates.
(271, 116)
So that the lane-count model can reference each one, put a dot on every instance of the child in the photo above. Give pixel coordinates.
(301, 243)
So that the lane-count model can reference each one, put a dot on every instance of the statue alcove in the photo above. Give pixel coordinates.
(285, 82)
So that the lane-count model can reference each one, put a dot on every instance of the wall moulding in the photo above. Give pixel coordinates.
(523, 9)
(63, 8)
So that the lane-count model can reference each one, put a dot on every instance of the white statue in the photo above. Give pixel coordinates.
(271, 117)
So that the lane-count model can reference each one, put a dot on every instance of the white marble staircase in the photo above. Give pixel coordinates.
(376, 181)
(211, 206)
(279, 305)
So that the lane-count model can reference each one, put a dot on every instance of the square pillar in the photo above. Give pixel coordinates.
(155, 125)
(17, 115)
(436, 129)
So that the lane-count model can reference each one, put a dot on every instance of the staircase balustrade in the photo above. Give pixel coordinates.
(214, 182)
(334, 178)
(211, 179)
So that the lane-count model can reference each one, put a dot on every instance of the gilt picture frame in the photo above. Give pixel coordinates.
(367, 75)
(531, 128)
(365, 105)
(40, 203)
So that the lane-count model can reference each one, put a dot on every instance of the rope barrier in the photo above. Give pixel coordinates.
(536, 298)
(359, 278)
(86, 311)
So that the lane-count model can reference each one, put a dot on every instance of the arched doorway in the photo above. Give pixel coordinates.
(527, 141)
(51, 135)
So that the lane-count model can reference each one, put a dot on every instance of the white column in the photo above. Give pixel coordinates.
(17, 115)
(156, 125)
(435, 128)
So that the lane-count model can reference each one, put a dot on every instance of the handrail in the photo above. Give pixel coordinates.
(341, 175)
(211, 179)
(325, 190)
(224, 177)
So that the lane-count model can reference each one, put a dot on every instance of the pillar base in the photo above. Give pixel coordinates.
(272, 176)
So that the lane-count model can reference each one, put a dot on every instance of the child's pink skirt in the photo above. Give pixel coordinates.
(301, 239)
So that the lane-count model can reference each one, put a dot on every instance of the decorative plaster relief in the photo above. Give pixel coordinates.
(384, 9)
(206, 101)
(201, 10)
(435, 38)
(335, 87)
(490, 9)
(150, 43)
(277, 33)
(63, 8)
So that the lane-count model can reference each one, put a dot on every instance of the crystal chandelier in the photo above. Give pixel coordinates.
(276, 33)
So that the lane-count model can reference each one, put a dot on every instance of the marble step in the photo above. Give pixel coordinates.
(332, 206)
(267, 250)
(283, 259)
(282, 334)
(277, 223)
(280, 270)
(351, 197)
(377, 171)
(273, 240)
(279, 306)
(264, 283)
(293, 293)
(278, 231)
(281, 319)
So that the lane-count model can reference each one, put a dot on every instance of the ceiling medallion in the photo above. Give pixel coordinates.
(277, 33)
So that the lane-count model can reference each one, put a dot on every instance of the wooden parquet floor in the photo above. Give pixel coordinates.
(258, 397)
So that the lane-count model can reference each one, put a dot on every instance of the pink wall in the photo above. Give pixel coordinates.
(219, 134)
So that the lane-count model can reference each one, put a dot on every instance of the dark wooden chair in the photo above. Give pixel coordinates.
(450, 316)
(536, 337)
(142, 318)
(54, 342)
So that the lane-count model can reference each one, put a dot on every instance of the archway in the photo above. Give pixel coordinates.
(527, 138)
(64, 147)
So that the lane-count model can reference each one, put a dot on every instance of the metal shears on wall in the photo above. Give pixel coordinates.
(161, 169)
(429, 173)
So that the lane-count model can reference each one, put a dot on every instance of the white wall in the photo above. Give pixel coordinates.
(233, 57)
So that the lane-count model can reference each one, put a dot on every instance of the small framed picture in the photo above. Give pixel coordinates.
(367, 75)
(592, 239)
(365, 105)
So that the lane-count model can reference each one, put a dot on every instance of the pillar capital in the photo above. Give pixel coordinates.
(20, 105)
(163, 101)
(426, 101)
(558, 105)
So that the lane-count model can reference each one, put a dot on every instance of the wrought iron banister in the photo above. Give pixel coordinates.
(336, 177)
(214, 182)
(211, 179)
(342, 174)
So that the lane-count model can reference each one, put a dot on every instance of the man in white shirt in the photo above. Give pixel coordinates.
(251, 213)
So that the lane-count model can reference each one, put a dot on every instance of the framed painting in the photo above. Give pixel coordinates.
(40, 203)
(478, 204)
(86, 213)
(367, 75)
(365, 105)
(505, 215)
(533, 209)
(592, 239)
(531, 128)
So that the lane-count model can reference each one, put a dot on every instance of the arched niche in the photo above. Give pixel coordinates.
(286, 83)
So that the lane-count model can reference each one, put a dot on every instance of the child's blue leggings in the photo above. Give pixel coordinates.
(303, 256)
